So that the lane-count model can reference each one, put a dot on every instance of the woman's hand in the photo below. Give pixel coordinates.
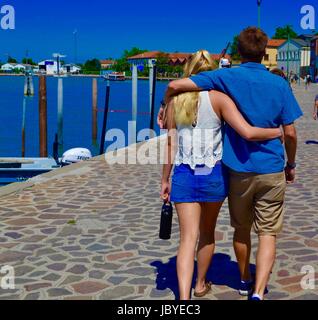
(314, 115)
(165, 191)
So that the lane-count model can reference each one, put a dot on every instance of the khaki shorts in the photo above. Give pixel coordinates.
(257, 201)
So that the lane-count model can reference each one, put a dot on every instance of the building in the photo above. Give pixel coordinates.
(71, 68)
(270, 58)
(294, 56)
(49, 67)
(174, 59)
(314, 58)
(11, 67)
(106, 64)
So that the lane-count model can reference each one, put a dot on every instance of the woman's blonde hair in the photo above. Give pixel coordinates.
(186, 104)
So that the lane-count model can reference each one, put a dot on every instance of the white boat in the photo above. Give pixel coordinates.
(115, 76)
(21, 169)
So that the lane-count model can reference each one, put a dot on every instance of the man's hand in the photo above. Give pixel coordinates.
(290, 175)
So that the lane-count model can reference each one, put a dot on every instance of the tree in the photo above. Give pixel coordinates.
(28, 61)
(234, 49)
(122, 65)
(12, 60)
(162, 62)
(283, 32)
(92, 65)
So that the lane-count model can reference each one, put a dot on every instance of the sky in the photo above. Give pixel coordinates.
(105, 28)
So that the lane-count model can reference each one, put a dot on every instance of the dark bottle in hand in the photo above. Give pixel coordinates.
(166, 221)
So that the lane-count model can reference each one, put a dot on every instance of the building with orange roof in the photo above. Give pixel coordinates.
(175, 59)
(106, 64)
(271, 56)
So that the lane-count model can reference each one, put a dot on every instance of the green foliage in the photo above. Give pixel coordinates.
(234, 49)
(28, 61)
(92, 66)
(122, 65)
(162, 62)
(12, 60)
(283, 32)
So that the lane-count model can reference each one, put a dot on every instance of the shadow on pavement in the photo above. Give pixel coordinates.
(223, 271)
(311, 142)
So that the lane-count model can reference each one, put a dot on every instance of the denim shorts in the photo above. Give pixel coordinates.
(188, 186)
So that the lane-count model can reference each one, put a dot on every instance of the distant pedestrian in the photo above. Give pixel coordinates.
(307, 81)
(315, 114)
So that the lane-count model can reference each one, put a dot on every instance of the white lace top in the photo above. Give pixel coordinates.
(202, 144)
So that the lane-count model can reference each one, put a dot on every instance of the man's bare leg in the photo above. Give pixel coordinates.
(242, 248)
(265, 260)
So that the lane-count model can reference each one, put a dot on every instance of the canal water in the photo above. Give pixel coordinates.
(77, 112)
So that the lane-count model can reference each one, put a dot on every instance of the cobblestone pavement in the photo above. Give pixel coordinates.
(90, 231)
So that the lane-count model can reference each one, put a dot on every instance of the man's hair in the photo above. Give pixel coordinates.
(252, 43)
(278, 72)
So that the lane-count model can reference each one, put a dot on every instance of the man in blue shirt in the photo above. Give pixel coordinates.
(257, 175)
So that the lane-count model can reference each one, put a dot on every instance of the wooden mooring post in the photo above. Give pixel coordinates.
(60, 116)
(23, 128)
(103, 136)
(43, 116)
(94, 110)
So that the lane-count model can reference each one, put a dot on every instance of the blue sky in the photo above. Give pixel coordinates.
(107, 27)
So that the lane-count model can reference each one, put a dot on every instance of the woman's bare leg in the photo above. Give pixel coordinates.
(209, 215)
(189, 221)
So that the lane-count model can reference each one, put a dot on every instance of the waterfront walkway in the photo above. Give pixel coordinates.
(90, 231)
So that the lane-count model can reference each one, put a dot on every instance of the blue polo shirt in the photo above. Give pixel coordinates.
(266, 101)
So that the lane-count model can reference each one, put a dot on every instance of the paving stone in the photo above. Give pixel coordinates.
(37, 286)
(96, 274)
(142, 281)
(69, 231)
(33, 296)
(11, 256)
(71, 279)
(13, 235)
(106, 266)
(160, 293)
(87, 287)
(97, 247)
(23, 222)
(22, 270)
(52, 277)
(71, 248)
(117, 293)
(58, 292)
(37, 274)
(119, 256)
(48, 231)
(116, 280)
(77, 269)
(57, 257)
(32, 247)
(138, 271)
(57, 266)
